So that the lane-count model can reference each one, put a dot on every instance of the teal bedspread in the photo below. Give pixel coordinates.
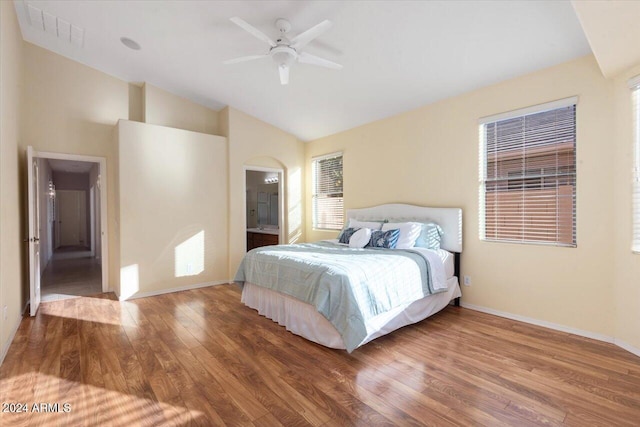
(348, 286)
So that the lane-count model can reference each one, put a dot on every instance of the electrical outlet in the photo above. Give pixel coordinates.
(4, 313)
(467, 280)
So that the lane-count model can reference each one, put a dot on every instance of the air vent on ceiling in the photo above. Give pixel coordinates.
(55, 26)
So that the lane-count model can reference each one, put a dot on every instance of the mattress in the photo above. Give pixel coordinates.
(302, 319)
(448, 261)
(348, 286)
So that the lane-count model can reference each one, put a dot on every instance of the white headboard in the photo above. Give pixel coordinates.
(450, 219)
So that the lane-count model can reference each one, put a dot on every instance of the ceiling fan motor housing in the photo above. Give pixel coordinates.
(284, 51)
(283, 25)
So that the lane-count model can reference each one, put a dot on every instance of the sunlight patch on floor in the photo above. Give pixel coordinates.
(62, 402)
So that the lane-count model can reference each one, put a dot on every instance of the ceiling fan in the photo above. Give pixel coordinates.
(284, 51)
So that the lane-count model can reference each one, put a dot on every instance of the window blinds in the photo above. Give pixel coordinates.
(328, 201)
(635, 86)
(528, 176)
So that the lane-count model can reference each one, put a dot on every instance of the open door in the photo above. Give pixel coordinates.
(34, 230)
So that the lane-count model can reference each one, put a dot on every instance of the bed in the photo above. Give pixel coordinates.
(343, 297)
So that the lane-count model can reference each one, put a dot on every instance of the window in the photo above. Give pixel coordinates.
(635, 86)
(328, 202)
(528, 175)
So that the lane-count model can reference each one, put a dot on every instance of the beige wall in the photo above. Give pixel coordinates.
(72, 109)
(627, 264)
(136, 102)
(256, 143)
(429, 156)
(166, 109)
(173, 211)
(11, 247)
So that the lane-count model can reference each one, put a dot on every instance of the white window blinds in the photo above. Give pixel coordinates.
(635, 87)
(528, 175)
(328, 201)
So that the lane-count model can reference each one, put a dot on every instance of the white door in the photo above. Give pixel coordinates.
(92, 220)
(34, 231)
(72, 220)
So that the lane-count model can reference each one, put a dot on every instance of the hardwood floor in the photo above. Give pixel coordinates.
(200, 357)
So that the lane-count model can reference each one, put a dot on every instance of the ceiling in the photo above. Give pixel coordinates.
(72, 166)
(397, 55)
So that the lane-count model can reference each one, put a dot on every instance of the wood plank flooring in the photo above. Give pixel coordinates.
(200, 357)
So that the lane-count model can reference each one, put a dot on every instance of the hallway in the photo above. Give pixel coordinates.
(71, 272)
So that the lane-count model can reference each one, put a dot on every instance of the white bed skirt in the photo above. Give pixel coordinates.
(302, 319)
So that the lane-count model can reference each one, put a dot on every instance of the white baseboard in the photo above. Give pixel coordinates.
(170, 290)
(628, 347)
(12, 335)
(543, 323)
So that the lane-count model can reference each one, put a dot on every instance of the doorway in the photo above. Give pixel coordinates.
(264, 206)
(72, 217)
(68, 227)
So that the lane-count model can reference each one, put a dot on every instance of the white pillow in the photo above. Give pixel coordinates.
(360, 238)
(409, 233)
(354, 223)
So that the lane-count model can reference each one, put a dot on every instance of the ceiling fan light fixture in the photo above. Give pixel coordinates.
(283, 55)
(283, 70)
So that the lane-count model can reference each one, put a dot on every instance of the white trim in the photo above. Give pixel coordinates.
(65, 156)
(171, 290)
(529, 110)
(104, 222)
(314, 166)
(281, 197)
(327, 156)
(261, 169)
(623, 345)
(543, 323)
(92, 220)
(634, 83)
(6, 345)
(12, 335)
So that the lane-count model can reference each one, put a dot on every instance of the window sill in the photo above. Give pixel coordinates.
(548, 244)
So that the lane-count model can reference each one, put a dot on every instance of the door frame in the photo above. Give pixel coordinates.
(281, 197)
(33, 227)
(92, 220)
(102, 185)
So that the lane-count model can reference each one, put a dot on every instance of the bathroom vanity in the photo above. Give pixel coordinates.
(257, 237)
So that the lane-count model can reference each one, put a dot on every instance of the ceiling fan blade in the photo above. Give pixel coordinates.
(307, 58)
(284, 74)
(243, 59)
(302, 39)
(253, 30)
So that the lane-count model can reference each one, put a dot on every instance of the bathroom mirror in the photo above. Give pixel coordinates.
(262, 200)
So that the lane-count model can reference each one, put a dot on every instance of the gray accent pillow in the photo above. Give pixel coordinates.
(346, 234)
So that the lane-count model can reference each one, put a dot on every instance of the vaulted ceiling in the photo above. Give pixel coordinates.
(397, 55)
